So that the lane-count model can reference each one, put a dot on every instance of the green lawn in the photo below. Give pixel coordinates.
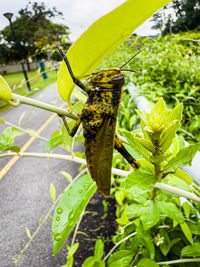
(18, 84)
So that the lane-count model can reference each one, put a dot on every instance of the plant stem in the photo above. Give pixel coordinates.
(43, 105)
(116, 171)
(117, 244)
(178, 261)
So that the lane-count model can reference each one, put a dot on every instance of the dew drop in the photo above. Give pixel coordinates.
(80, 191)
(86, 186)
(59, 210)
(70, 188)
(57, 237)
(57, 218)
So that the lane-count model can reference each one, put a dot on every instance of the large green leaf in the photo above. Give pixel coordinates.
(120, 258)
(5, 92)
(69, 208)
(191, 250)
(102, 37)
(171, 211)
(182, 158)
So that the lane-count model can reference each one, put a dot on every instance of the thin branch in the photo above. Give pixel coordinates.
(76, 228)
(117, 244)
(43, 105)
(178, 261)
(165, 187)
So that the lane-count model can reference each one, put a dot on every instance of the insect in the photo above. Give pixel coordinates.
(99, 118)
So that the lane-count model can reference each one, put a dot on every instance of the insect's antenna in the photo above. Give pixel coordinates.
(66, 61)
(133, 56)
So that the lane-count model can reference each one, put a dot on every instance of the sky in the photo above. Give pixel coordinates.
(78, 14)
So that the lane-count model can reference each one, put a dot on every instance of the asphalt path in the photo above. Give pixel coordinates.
(24, 189)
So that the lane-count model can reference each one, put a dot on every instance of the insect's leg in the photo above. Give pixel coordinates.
(75, 80)
(122, 150)
(73, 131)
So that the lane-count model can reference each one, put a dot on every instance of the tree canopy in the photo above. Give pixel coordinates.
(34, 30)
(178, 16)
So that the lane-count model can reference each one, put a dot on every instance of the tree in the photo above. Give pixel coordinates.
(185, 15)
(34, 31)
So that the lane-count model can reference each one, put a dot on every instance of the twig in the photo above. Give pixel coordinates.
(117, 244)
(165, 187)
(43, 105)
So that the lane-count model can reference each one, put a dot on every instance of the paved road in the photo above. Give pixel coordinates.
(24, 190)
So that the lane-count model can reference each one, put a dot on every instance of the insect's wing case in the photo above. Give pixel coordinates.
(99, 154)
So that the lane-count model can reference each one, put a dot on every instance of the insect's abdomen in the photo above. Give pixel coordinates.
(99, 118)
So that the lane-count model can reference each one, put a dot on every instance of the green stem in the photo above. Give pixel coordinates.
(117, 244)
(178, 261)
(43, 105)
(116, 171)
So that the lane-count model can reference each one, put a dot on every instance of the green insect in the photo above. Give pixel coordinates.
(99, 118)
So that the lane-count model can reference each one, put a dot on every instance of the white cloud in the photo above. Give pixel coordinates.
(78, 14)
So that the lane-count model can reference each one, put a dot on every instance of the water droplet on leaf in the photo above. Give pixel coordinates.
(57, 218)
(57, 237)
(59, 210)
(80, 191)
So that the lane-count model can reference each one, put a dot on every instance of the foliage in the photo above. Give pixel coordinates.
(169, 67)
(184, 15)
(101, 38)
(34, 30)
(154, 225)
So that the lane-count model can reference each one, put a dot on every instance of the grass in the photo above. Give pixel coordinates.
(18, 84)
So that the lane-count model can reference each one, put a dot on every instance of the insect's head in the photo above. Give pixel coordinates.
(110, 78)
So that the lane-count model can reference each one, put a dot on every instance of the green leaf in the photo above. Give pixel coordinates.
(184, 176)
(121, 258)
(168, 135)
(71, 251)
(119, 196)
(182, 158)
(89, 262)
(171, 211)
(137, 147)
(101, 38)
(150, 215)
(13, 148)
(66, 175)
(67, 140)
(69, 208)
(148, 240)
(147, 263)
(146, 143)
(98, 250)
(52, 192)
(54, 141)
(191, 250)
(143, 179)
(176, 113)
(186, 209)
(5, 91)
(9, 134)
(165, 246)
(187, 232)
